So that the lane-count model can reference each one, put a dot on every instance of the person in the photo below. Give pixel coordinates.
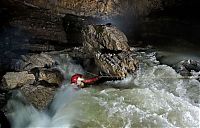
(81, 81)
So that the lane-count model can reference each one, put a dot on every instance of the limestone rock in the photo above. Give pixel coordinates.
(39, 96)
(97, 8)
(187, 67)
(28, 62)
(77, 7)
(110, 49)
(120, 65)
(104, 38)
(51, 76)
(13, 80)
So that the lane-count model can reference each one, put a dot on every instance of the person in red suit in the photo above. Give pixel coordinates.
(81, 81)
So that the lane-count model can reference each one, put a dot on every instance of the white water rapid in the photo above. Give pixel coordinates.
(156, 97)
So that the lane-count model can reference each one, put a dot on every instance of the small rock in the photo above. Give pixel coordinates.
(13, 80)
(52, 76)
(188, 68)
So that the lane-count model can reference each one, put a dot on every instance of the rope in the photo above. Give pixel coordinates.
(103, 76)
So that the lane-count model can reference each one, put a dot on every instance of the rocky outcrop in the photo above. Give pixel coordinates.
(77, 7)
(39, 96)
(120, 65)
(97, 8)
(13, 80)
(38, 78)
(110, 49)
(50, 76)
(188, 68)
(104, 38)
(40, 25)
(28, 62)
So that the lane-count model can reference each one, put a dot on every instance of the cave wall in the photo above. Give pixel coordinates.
(39, 25)
(95, 8)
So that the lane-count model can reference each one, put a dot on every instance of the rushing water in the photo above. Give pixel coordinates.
(156, 97)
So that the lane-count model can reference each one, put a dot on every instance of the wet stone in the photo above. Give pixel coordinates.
(28, 62)
(39, 96)
(13, 80)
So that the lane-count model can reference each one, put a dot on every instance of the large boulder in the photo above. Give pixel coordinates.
(119, 65)
(13, 80)
(110, 49)
(104, 38)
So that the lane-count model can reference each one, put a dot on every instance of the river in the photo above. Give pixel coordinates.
(156, 97)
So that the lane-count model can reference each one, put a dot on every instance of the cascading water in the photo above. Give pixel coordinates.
(156, 97)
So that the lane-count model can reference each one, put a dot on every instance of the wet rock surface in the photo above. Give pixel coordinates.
(28, 62)
(13, 80)
(110, 49)
(38, 95)
(121, 65)
(104, 38)
(38, 78)
(188, 68)
(50, 76)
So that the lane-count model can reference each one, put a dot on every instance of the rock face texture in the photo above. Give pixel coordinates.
(104, 37)
(39, 96)
(28, 62)
(109, 47)
(38, 78)
(189, 68)
(98, 8)
(41, 25)
(50, 76)
(120, 65)
(17, 79)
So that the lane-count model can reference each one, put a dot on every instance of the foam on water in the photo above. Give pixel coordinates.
(158, 97)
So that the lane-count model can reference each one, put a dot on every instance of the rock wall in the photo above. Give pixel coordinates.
(98, 8)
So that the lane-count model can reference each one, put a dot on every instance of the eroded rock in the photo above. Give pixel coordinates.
(28, 62)
(189, 68)
(120, 65)
(104, 38)
(97, 8)
(13, 80)
(51, 76)
(110, 49)
(39, 96)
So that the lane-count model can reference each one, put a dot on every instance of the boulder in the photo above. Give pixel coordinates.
(51, 76)
(119, 65)
(39, 96)
(28, 62)
(13, 80)
(188, 68)
(110, 49)
(104, 38)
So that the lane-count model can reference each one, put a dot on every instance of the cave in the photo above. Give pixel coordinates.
(44, 42)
